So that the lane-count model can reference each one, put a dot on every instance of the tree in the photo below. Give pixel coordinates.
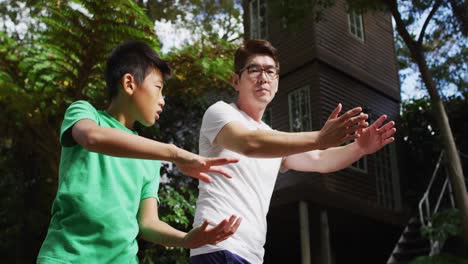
(438, 61)
(208, 21)
(418, 49)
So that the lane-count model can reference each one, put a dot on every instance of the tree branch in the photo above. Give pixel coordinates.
(400, 25)
(428, 19)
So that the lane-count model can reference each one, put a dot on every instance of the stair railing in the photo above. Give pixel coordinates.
(425, 212)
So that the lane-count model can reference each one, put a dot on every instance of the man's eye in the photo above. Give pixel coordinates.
(271, 71)
(254, 70)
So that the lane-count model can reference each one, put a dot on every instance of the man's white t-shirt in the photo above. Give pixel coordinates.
(247, 194)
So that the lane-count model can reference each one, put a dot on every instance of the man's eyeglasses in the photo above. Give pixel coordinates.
(254, 70)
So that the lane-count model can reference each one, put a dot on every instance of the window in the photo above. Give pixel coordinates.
(268, 117)
(258, 19)
(299, 110)
(355, 25)
(360, 165)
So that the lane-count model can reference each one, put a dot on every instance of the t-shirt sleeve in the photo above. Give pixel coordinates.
(151, 188)
(216, 117)
(75, 112)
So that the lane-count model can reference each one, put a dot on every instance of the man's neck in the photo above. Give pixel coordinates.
(254, 111)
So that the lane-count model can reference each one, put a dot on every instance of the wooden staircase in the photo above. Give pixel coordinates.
(410, 244)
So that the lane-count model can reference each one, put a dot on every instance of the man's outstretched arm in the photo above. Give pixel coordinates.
(372, 139)
(271, 144)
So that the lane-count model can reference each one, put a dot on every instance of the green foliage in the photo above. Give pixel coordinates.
(59, 60)
(420, 141)
(439, 259)
(444, 224)
(293, 13)
(208, 21)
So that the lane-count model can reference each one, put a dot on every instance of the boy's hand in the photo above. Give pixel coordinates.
(203, 235)
(198, 166)
(338, 130)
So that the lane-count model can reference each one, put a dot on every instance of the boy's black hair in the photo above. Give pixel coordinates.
(133, 57)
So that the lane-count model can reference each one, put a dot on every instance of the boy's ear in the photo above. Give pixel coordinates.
(235, 81)
(128, 83)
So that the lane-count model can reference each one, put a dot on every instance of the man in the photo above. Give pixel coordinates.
(236, 130)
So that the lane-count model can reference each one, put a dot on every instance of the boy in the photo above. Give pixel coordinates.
(109, 176)
(236, 130)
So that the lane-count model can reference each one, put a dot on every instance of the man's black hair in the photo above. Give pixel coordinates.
(136, 58)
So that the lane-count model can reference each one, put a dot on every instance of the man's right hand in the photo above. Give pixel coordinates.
(340, 129)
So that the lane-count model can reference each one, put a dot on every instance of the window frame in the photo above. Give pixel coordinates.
(290, 108)
(356, 23)
(256, 30)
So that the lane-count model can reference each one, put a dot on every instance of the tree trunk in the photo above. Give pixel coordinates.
(456, 176)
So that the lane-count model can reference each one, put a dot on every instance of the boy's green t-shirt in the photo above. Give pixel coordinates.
(94, 215)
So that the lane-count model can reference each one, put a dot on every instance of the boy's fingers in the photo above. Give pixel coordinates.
(220, 171)
(236, 224)
(204, 225)
(232, 219)
(204, 177)
(220, 161)
(220, 227)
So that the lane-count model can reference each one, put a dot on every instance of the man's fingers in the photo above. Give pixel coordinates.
(335, 112)
(388, 140)
(379, 121)
(350, 113)
(389, 133)
(387, 126)
(220, 161)
(357, 119)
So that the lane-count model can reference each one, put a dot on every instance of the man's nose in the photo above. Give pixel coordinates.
(263, 76)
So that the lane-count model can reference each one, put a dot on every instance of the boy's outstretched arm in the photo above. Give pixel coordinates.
(118, 143)
(154, 230)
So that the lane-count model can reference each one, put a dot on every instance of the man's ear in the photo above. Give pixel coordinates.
(235, 81)
(128, 83)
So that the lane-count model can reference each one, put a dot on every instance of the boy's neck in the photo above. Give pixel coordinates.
(120, 112)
